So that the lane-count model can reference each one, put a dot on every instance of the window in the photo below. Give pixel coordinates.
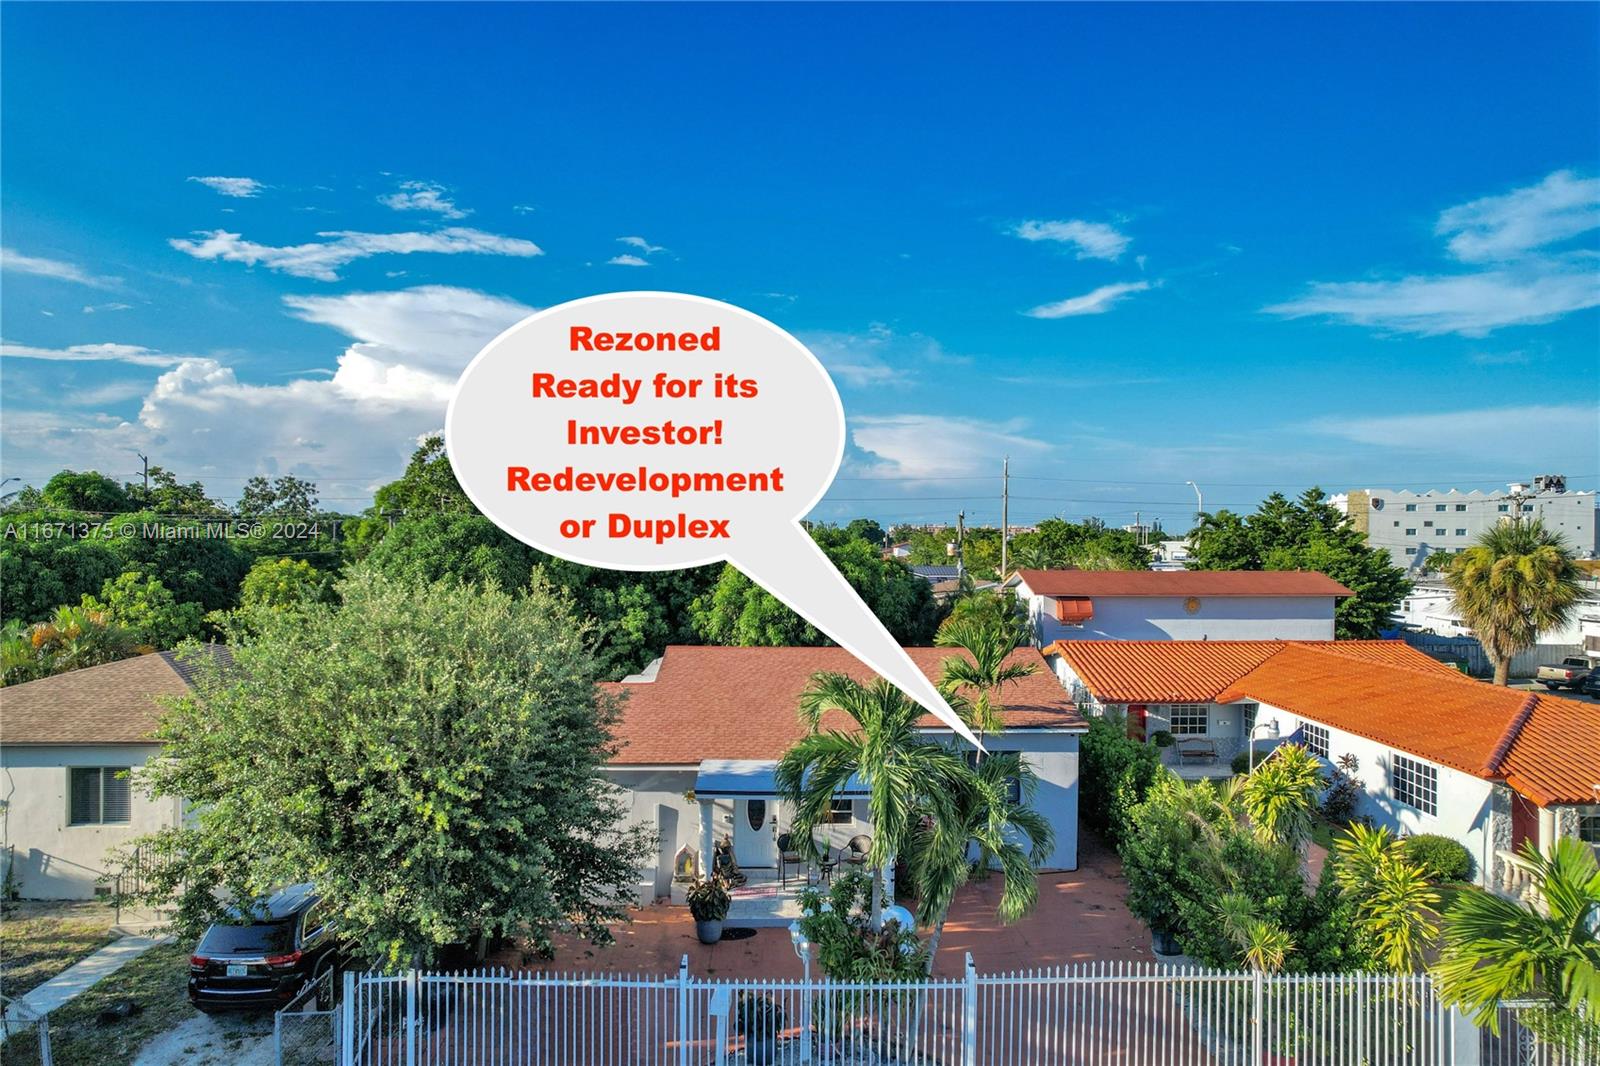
(1461, 507)
(840, 811)
(1415, 783)
(1438, 507)
(1461, 532)
(1316, 738)
(1527, 508)
(1503, 507)
(1397, 523)
(1411, 551)
(1589, 828)
(1411, 532)
(98, 795)
(1247, 714)
(1428, 523)
(1188, 719)
(1411, 507)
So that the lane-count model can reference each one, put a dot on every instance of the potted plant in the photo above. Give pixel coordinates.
(708, 901)
(1161, 738)
(758, 1018)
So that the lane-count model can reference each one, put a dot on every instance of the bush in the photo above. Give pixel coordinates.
(1344, 792)
(758, 1016)
(1116, 773)
(1241, 763)
(1441, 858)
(1161, 738)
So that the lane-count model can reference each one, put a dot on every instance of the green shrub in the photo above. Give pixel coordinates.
(1116, 772)
(1241, 763)
(1161, 738)
(1441, 858)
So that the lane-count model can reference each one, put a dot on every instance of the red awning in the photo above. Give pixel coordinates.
(1074, 610)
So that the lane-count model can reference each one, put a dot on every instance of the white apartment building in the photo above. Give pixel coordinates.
(1413, 525)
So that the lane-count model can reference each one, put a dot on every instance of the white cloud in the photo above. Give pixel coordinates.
(627, 261)
(1503, 228)
(1524, 280)
(1531, 436)
(1469, 304)
(92, 353)
(351, 431)
(1093, 240)
(880, 356)
(934, 446)
(323, 260)
(643, 245)
(52, 268)
(239, 188)
(90, 309)
(524, 209)
(423, 196)
(1097, 302)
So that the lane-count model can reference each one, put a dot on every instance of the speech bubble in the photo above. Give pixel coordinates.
(657, 431)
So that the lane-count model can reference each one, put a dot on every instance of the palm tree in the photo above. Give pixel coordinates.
(1263, 944)
(1497, 950)
(987, 671)
(1516, 581)
(903, 773)
(1282, 794)
(1034, 557)
(991, 810)
(1394, 901)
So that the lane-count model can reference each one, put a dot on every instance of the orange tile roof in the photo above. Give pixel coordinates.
(1555, 756)
(1160, 671)
(743, 703)
(1181, 583)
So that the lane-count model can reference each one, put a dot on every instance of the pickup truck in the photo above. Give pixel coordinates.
(1568, 673)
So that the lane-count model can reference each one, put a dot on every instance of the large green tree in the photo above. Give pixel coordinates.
(1307, 533)
(148, 611)
(89, 491)
(40, 573)
(438, 778)
(1517, 580)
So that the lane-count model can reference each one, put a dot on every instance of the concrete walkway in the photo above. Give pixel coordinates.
(71, 982)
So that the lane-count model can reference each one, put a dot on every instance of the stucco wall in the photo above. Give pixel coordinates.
(1166, 618)
(1465, 803)
(53, 860)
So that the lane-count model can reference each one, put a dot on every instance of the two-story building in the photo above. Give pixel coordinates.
(1433, 750)
(1178, 604)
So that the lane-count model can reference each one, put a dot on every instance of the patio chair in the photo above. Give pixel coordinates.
(787, 854)
(855, 852)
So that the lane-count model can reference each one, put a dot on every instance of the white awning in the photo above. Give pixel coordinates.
(755, 778)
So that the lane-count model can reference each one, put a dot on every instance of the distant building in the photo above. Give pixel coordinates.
(1177, 605)
(1411, 526)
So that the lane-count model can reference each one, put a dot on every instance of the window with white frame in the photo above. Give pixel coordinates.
(98, 795)
(1316, 738)
(1188, 719)
(1589, 825)
(1414, 783)
(840, 811)
(1247, 714)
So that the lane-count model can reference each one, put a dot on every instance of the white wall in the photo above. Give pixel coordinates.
(1053, 757)
(54, 860)
(1464, 808)
(1166, 618)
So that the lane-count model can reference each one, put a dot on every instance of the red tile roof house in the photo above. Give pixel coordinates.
(702, 730)
(1437, 752)
(1177, 604)
(67, 744)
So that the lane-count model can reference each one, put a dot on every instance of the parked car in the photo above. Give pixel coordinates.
(1591, 684)
(1568, 673)
(263, 958)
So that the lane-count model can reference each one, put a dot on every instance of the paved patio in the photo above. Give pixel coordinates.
(1081, 917)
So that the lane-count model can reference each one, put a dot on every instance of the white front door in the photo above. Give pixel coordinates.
(753, 843)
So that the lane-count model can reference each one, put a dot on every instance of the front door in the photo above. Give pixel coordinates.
(753, 843)
(1524, 822)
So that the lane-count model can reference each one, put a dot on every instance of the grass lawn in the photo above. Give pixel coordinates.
(157, 981)
(39, 940)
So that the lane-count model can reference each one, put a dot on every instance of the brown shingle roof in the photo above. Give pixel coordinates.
(1181, 583)
(743, 703)
(111, 704)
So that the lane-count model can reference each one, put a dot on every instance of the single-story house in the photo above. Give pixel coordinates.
(702, 730)
(1178, 604)
(68, 747)
(1435, 751)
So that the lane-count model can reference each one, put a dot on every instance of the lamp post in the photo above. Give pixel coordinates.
(1199, 500)
(1271, 733)
(802, 948)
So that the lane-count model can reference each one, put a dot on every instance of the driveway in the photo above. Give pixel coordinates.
(243, 1039)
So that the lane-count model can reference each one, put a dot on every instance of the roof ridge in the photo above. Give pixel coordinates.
(1503, 746)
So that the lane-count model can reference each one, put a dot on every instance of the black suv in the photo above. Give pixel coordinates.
(262, 959)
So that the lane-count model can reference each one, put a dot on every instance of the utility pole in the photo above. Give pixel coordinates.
(1138, 529)
(961, 536)
(1005, 512)
(146, 460)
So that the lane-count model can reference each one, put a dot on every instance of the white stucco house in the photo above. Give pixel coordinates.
(1435, 751)
(69, 745)
(702, 730)
(1178, 604)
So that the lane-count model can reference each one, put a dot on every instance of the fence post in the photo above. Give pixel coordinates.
(721, 1001)
(1258, 1023)
(969, 1027)
(411, 1018)
(347, 1022)
(683, 1011)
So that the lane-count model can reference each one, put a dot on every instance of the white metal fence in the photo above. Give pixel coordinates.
(1128, 1014)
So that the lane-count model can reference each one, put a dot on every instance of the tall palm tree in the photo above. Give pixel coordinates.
(1282, 794)
(902, 772)
(1496, 950)
(984, 674)
(983, 811)
(1517, 580)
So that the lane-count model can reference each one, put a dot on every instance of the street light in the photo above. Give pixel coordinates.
(1272, 733)
(1199, 500)
(802, 948)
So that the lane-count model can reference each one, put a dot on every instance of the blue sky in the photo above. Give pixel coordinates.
(1254, 247)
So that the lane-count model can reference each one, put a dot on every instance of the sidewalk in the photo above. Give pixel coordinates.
(69, 983)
